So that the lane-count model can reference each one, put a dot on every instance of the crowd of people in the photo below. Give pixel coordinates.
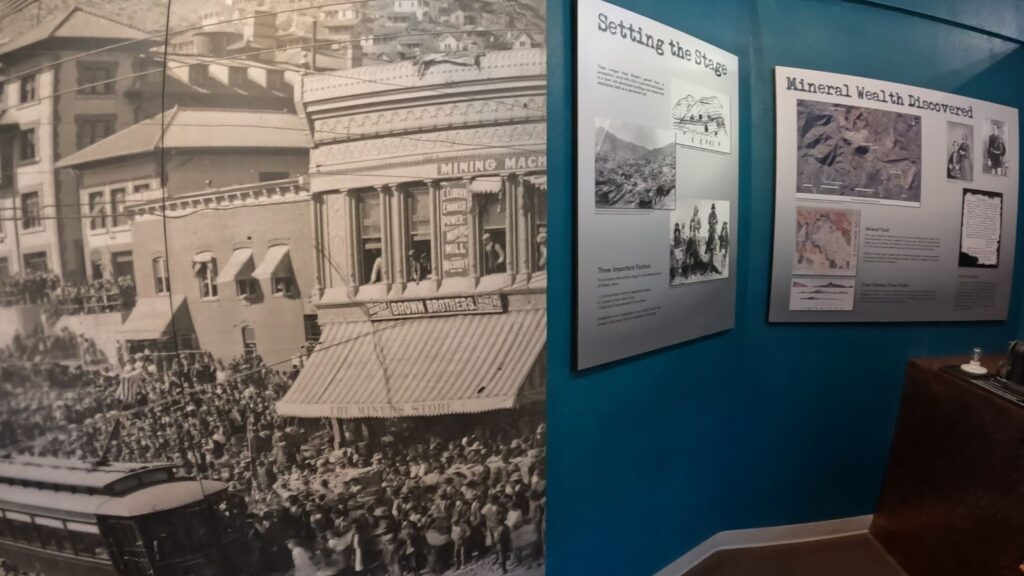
(393, 497)
(98, 296)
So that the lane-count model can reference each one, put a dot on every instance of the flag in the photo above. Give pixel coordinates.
(130, 389)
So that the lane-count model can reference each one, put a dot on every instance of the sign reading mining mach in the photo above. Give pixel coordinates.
(490, 165)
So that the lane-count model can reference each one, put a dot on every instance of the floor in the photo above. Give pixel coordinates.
(857, 555)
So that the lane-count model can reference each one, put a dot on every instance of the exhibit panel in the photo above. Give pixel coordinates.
(657, 168)
(893, 203)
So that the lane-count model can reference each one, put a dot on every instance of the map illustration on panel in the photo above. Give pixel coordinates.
(826, 241)
(634, 166)
(701, 117)
(858, 154)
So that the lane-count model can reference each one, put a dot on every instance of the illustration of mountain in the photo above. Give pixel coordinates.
(611, 145)
(694, 114)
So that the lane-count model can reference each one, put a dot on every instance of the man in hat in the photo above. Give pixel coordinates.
(493, 255)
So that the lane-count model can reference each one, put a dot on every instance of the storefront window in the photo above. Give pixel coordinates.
(419, 266)
(493, 241)
(371, 261)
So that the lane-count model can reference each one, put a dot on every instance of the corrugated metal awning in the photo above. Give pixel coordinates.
(238, 265)
(434, 366)
(485, 185)
(151, 318)
(276, 263)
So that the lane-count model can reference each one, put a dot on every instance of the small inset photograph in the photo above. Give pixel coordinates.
(826, 241)
(634, 166)
(960, 151)
(858, 154)
(822, 294)
(981, 226)
(699, 241)
(996, 160)
(701, 117)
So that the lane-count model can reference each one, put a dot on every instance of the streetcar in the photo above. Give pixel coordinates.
(71, 518)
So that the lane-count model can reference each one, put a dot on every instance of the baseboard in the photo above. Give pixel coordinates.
(766, 537)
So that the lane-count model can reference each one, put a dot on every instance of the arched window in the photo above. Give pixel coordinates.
(161, 277)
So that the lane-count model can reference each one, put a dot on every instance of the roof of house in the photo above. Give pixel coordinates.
(74, 23)
(199, 128)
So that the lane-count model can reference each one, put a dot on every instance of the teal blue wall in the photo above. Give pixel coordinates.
(765, 424)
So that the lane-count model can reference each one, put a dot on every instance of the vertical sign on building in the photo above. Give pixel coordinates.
(455, 229)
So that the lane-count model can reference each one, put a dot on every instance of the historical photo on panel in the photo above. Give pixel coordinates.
(996, 159)
(701, 117)
(821, 294)
(857, 153)
(960, 151)
(699, 241)
(634, 166)
(826, 241)
(981, 227)
(205, 371)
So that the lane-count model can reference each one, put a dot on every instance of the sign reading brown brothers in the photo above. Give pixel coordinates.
(483, 304)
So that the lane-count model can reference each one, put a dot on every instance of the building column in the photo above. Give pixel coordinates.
(351, 271)
(524, 207)
(436, 230)
(401, 200)
(386, 276)
(473, 218)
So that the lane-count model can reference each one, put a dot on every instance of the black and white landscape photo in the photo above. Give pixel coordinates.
(701, 118)
(699, 241)
(996, 159)
(857, 153)
(634, 166)
(960, 151)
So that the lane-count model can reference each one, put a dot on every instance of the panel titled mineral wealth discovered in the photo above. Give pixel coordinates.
(892, 203)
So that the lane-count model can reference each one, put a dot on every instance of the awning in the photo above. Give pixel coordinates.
(485, 185)
(202, 258)
(151, 318)
(435, 366)
(538, 181)
(238, 266)
(277, 262)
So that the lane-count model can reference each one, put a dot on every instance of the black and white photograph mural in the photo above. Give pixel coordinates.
(272, 287)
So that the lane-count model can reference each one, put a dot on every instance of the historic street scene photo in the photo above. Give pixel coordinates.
(273, 282)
